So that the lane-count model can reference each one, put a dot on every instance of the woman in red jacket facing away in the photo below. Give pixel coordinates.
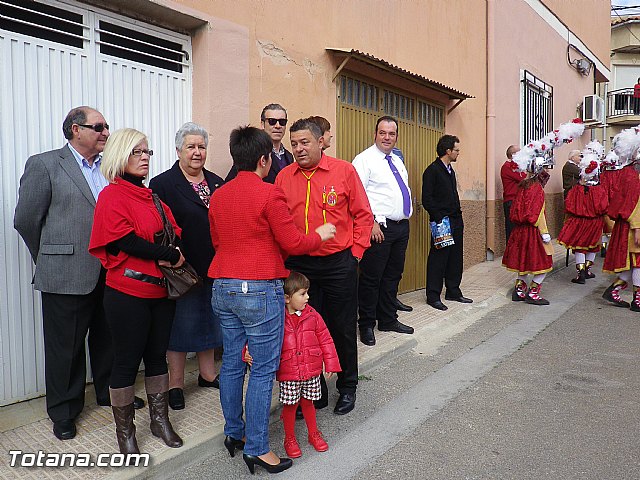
(251, 231)
(136, 306)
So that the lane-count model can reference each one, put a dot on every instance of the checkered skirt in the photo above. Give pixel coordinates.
(292, 390)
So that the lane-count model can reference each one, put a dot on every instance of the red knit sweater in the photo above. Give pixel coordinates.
(252, 230)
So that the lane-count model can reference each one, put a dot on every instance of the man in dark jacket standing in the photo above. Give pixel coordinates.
(440, 199)
(273, 120)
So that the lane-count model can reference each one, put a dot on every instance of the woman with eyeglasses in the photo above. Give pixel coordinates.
(136, 306)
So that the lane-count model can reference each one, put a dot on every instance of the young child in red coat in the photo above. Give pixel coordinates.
(307, 344)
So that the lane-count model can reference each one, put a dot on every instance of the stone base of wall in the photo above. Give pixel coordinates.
(474, 213)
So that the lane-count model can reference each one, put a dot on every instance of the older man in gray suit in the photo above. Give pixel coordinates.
(54, 215)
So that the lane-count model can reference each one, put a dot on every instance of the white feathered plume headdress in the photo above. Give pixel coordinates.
(538, 154)
(590, 163)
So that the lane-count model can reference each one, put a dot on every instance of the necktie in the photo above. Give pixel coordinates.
(406, 201)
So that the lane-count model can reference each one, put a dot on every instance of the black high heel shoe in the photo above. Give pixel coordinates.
(232, 445)
(252, 461)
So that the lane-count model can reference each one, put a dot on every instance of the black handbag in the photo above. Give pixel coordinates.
(179, 280)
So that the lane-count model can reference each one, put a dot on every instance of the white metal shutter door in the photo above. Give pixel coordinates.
(154, 100)
(39, 80)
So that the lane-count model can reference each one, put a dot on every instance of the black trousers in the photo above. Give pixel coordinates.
(381, 270)
(445, 264)
(140, 328)
(334, 293)
(66, 321)
(508, 224)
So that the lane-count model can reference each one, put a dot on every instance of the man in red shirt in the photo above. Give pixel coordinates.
(511, 178)
(321, 189)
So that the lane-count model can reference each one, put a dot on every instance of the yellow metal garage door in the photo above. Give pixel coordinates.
(420, 124)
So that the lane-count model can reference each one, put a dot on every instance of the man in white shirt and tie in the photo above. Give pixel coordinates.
(386, 182)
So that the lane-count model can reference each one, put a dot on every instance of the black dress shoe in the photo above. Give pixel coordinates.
(401, 306)
(138, 403)
(215, 383)
(176, 398)
(320, 404)
(346, 403)
(64, 429)
(460, 299)
(438, 305)
(395, 327)
(367, 336)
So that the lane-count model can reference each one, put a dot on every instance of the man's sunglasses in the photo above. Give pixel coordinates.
(273, 121)
(97, 127)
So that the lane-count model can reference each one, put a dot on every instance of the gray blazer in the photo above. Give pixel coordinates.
(54, 216)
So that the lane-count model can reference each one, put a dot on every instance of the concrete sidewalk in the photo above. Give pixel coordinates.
(26, 427)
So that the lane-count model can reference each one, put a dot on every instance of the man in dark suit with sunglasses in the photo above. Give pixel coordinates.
(54, 216)
(274, 121)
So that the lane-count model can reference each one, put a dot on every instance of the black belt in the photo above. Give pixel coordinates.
(143, 277)
(397, 221)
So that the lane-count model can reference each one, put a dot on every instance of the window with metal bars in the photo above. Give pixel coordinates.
(538, 107)
(136, 46)
(358, 93)
(42, 21)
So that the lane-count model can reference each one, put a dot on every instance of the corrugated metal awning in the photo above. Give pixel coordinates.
(384, 65)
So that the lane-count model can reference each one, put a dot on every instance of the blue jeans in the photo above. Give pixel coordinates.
(250, 311)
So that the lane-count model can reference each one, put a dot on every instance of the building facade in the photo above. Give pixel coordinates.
(622, 110)
(492, 72)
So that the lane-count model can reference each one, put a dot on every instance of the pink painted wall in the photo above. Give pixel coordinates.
(220, 86)
(529, 44)
(584, 18)
(286, 61)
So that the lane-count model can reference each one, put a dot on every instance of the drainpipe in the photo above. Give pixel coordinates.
(605, 139)
(490, 132)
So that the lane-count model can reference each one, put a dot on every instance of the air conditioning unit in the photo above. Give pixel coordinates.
(593, 109)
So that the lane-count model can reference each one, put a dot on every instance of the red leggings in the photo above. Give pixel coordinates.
(289, 417)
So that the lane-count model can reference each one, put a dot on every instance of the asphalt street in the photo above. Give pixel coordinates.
(524, 392)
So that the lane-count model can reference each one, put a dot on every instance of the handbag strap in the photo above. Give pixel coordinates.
(166, 225)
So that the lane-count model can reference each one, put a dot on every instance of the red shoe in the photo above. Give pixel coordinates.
(317, 442)
(292, 448)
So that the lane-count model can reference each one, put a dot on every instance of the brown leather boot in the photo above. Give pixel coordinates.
(157, 396)
(123, 415)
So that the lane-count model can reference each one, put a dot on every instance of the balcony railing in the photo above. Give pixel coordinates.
(621, 102)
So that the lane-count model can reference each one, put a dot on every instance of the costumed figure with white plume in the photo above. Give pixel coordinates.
(585, 206)
(609, 173)
(623, 252)
(529, 250)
